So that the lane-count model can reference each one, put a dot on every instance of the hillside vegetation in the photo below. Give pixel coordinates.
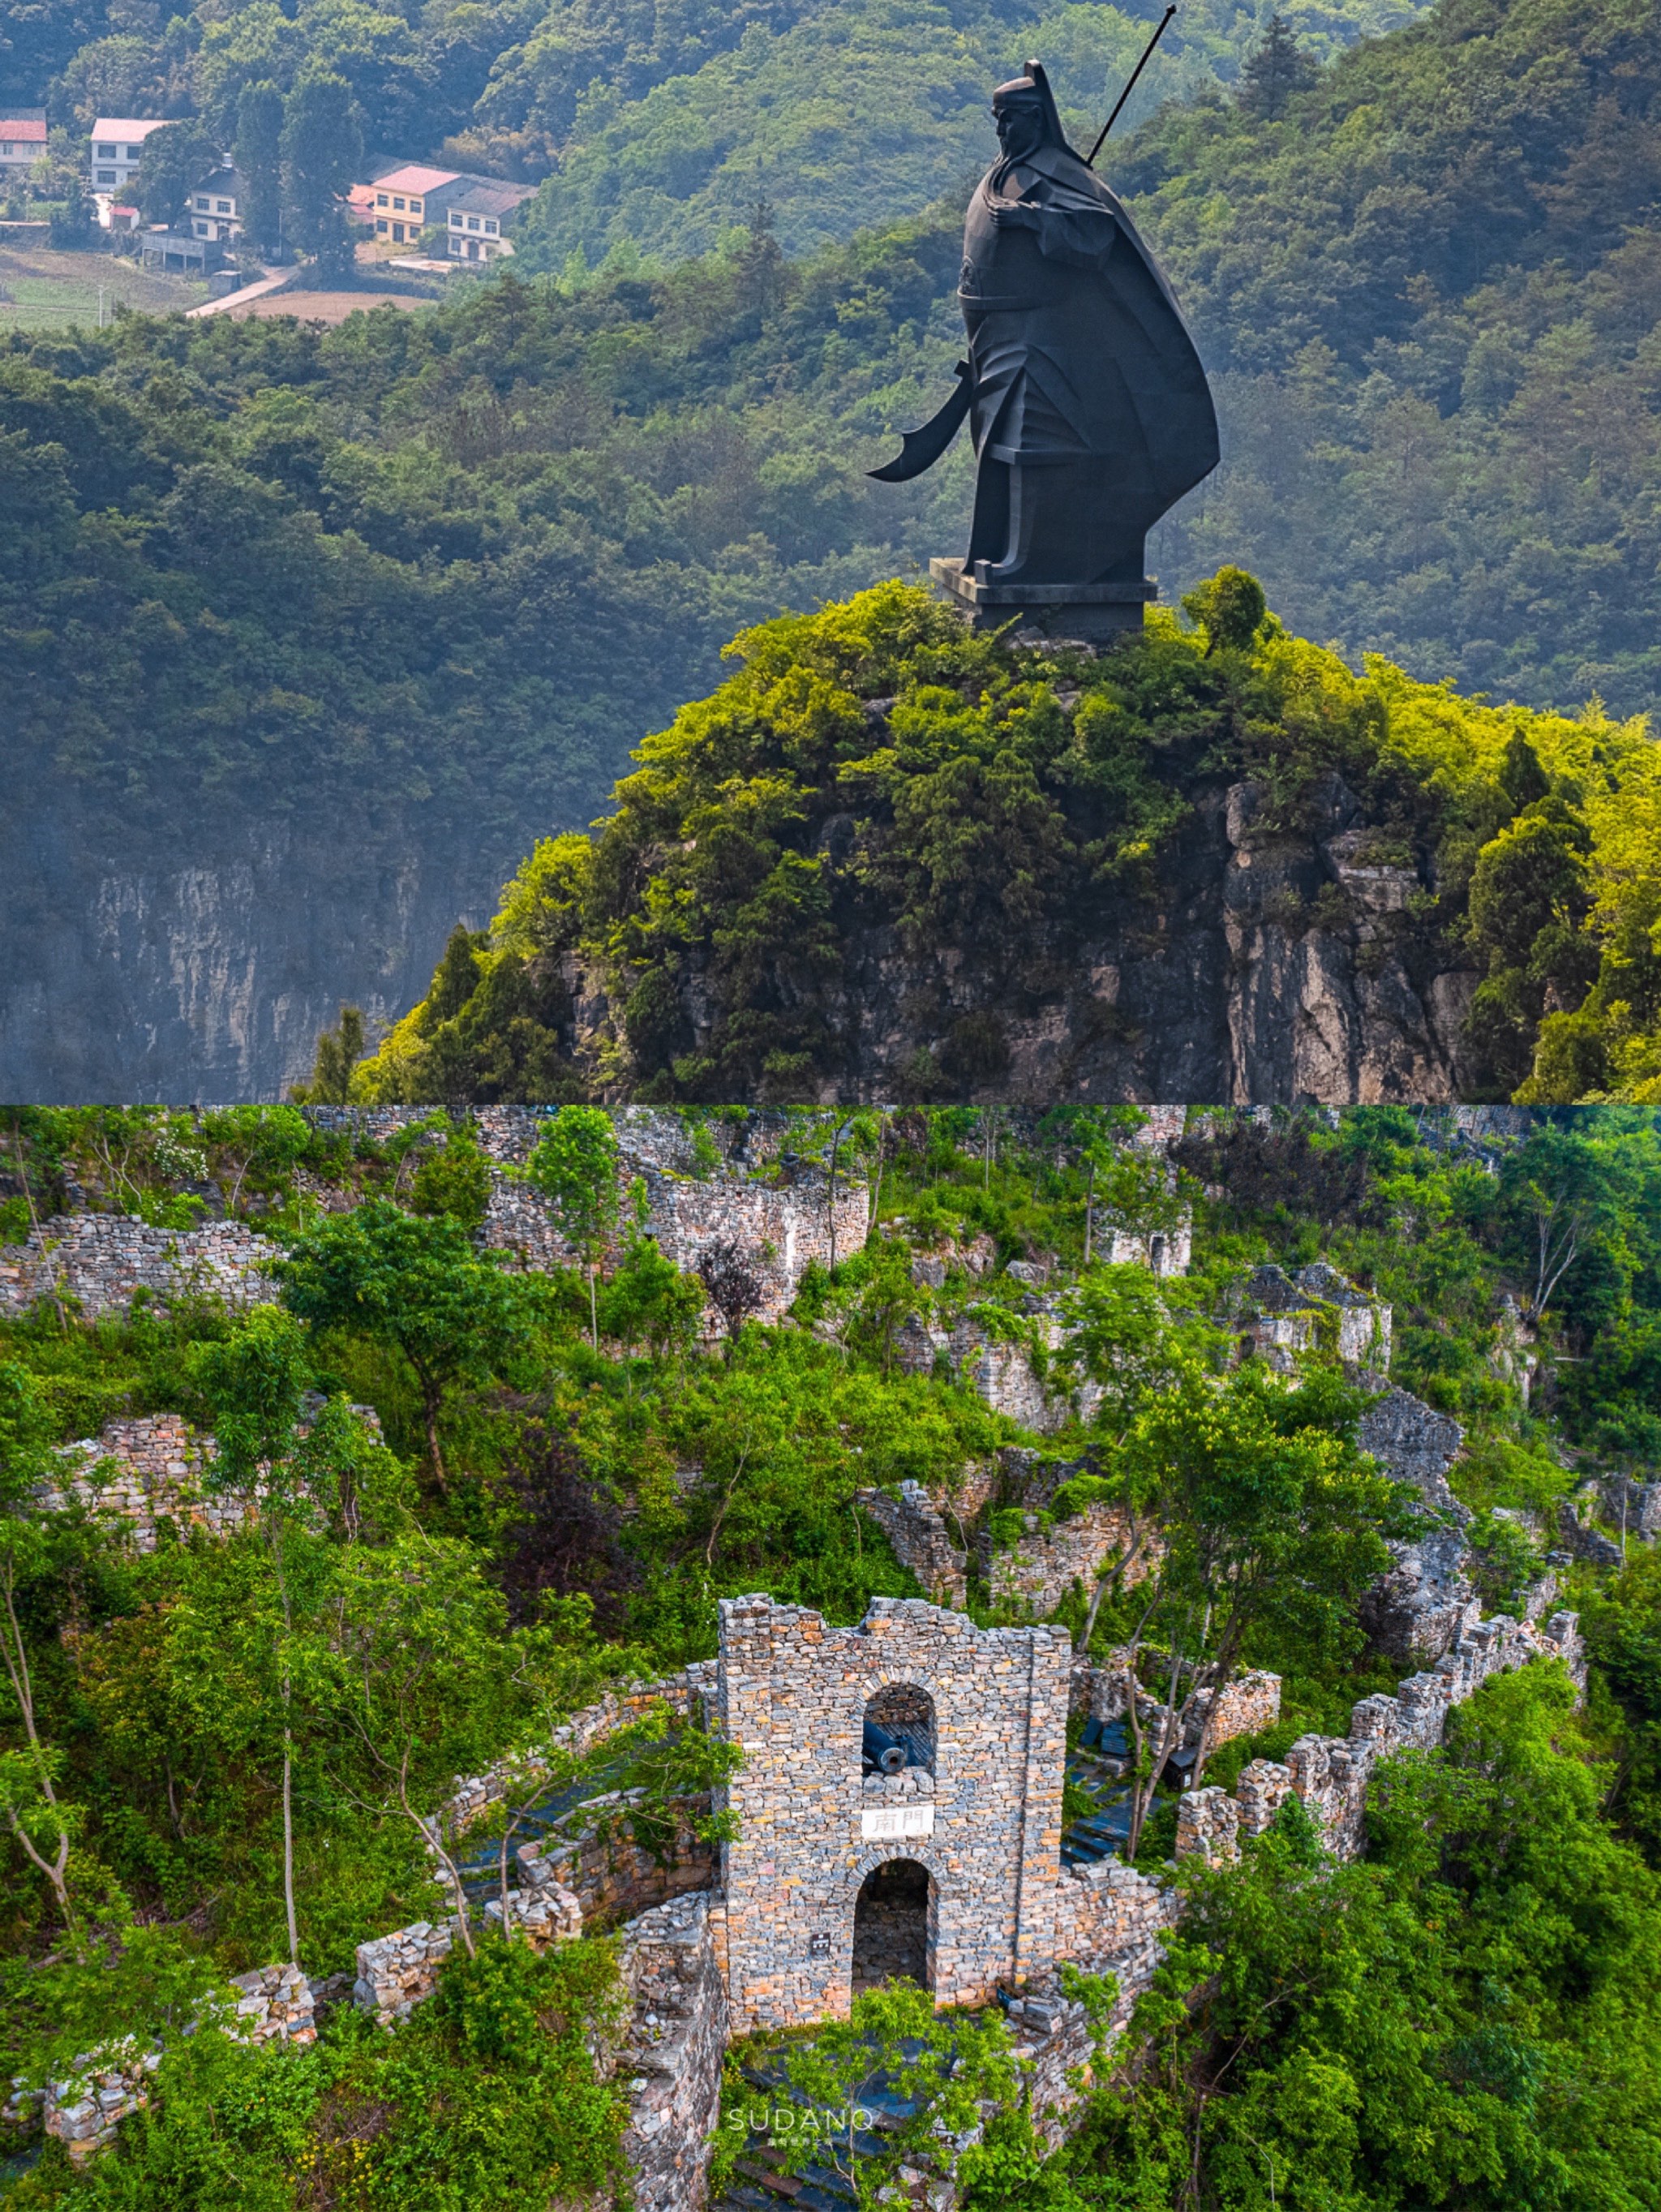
(873, 776)
(683, 108)
(596, 1475)
(1428, 292)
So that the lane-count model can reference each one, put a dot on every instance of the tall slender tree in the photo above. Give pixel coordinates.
(259, 164)
(1275, 71)
(322, 144)
(575, 1169)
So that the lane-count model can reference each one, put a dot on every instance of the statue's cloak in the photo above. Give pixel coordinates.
(1077, 348)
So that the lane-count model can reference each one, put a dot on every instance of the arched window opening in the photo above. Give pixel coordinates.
(898, 1729)
(891, 1927)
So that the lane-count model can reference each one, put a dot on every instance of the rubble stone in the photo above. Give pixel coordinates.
(102, 1261)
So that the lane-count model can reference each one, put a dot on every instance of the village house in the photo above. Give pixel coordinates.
(409, 200)
(216, 207)
(479, 218)
(117, 144)
(22, 141)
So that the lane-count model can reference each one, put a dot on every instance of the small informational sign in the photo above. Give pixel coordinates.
(886, 1823)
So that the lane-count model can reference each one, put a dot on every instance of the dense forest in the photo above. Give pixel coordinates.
(683, 109)
(233, 1736)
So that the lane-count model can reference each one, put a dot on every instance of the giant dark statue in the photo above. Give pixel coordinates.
(1087, 402)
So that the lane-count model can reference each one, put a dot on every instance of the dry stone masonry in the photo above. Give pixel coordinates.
(671, 2059)
(102, 1261)
(793, 1693)
(1251, 1702)
(1329, 1774)
(920, 1540)
(146, 1471)
(275, 2004)
(153, 1468)
(1316, 1310)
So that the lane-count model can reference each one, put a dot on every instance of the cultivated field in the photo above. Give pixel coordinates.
(44, 289)
(327, 307)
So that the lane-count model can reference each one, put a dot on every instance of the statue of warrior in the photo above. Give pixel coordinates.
(1088, 407)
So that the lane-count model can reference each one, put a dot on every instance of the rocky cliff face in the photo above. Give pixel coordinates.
(181, 967)
(1262, 967)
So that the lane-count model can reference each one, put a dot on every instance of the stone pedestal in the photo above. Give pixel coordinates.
(1096, 613)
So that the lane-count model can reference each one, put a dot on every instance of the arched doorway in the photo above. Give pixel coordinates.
(891, 1927)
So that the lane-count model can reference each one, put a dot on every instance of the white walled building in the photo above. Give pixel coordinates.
(217, 206)
(478, 220)
(117, 144)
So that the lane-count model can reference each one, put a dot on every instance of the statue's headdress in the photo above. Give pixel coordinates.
(1033, 88)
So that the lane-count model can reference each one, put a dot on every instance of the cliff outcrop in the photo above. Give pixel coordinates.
(892, 860)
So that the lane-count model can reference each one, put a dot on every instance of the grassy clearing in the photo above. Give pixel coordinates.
(42, 288)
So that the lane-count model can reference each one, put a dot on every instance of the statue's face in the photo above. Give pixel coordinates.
(1020, 126)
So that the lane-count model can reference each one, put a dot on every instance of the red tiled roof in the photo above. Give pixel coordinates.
(17, 128)
(414, 178)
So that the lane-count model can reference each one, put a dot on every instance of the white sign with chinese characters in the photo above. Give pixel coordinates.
(885, 1823)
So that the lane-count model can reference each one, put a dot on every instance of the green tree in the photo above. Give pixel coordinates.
(423, 1671)
(1230, 607)
(322, 146)
(42, 1823)
(453, 1179)
(574, 1167)
(1265, 1513)
(255, 1381)
(418, 1285)
(1275, 70)
(258, 158)
(338, 1052)
(267, 1143)
(174, 162)
(1468, 2016)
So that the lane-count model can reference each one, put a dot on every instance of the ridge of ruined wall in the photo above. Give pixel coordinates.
(103, 1259)
(1329, 1774)
(1425, 1601)
(673, 2052)
(778, 1209)
(83, 2108)
(150, 1467)
(1250, 1703)
(781, 1212)
(920, 1540)
(144, 1471)
(686, 1694)
(1315, 1308)
(1038, 1569)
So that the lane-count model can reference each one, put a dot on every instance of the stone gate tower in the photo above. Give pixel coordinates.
(983, 1714)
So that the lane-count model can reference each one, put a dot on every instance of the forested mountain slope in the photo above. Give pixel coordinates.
(1432, 299)
(658, 121)
(314, 633)
(247, 1680)
(846, 115)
